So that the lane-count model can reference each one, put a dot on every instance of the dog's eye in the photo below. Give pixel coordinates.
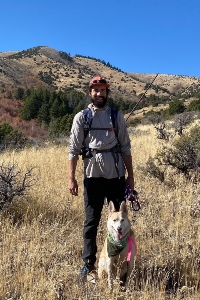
(122, 220)
(114, 220)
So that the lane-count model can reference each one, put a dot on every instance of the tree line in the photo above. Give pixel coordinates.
(101, 61)
(56, 109)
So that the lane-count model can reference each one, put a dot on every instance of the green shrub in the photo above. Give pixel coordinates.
(194, 105)
(11, 138)
(183, 157)
(154, 170)
(5, 130)
(176, 107)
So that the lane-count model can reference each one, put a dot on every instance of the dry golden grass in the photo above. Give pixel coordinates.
(41, 235)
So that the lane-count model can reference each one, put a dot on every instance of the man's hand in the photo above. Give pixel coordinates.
(130, 182)
(72, 183)
(73, 186)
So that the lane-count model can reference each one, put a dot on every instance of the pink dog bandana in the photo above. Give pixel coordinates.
(131, 242)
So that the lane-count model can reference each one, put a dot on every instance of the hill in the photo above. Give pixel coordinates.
(44, 66)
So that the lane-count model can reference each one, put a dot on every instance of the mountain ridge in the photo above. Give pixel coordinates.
(53, 69)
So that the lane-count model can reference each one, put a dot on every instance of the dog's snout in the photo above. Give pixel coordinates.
(119, 228)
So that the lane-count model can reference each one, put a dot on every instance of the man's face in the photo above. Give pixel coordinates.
(98, 95)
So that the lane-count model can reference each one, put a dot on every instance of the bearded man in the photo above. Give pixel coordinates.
(107, 164)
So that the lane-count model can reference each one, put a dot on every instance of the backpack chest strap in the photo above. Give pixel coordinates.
(102, 128)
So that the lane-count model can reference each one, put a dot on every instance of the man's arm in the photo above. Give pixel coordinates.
(75, 144)
(129, 168)
(72, 183)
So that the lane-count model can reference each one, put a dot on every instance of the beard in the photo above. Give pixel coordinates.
(99, 104)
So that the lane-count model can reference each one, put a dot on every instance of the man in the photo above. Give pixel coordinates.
(104, 167)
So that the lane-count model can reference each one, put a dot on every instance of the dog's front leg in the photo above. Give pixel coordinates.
(110, 270)
(130, 266)
(123, 274)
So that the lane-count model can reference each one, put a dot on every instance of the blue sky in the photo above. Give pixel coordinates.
(143, 36)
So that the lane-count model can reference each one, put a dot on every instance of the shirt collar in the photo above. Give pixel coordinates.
(91, 106)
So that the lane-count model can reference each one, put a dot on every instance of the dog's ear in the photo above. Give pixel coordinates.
(111, 207)
(123, 207)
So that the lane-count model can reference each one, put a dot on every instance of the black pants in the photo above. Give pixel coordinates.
(95, 191)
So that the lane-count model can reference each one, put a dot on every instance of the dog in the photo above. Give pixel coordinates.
(119, 249)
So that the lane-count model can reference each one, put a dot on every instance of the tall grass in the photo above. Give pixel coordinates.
(41, 234)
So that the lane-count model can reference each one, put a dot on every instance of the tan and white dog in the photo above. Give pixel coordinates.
(119, 250)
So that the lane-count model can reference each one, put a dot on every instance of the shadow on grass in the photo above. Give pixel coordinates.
(170, 279)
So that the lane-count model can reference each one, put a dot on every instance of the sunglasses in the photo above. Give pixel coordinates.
(98, 81)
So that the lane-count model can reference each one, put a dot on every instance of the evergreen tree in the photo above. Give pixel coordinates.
(19, 93)
(61, 125)
(31, 106)
(55, 109)
(43, 113)
(79, 107)
(5, 130)
(9, 95)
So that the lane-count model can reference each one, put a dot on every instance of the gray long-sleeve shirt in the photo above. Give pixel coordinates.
(101, 164)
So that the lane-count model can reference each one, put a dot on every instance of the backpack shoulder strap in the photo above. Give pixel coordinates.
(114, 113)
(87, 112)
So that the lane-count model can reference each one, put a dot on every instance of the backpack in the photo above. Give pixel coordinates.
(88, 118)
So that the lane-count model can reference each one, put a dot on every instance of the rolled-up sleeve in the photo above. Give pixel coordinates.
(76, 136)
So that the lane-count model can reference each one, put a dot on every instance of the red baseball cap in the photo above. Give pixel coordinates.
(96, 81)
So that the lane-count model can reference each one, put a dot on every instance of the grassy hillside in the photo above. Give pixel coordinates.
(58, 71)
(47, 67)
(41, 234)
